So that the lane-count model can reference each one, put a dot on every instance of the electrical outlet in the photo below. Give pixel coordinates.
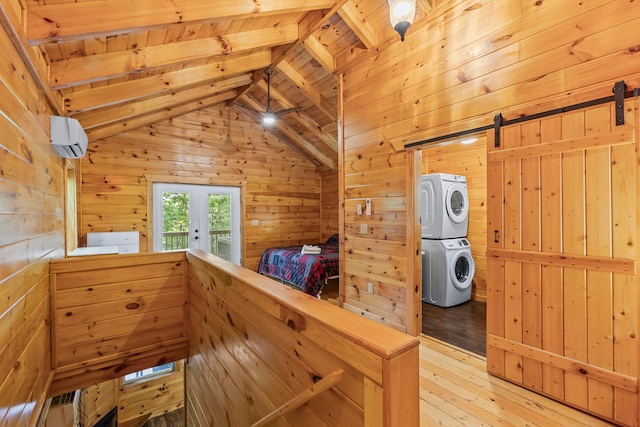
(370, 288)
(255, 222)
(364, 229)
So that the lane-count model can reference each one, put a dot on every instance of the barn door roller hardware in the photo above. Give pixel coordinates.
(620, 92)
(619, 89)
(498, 121)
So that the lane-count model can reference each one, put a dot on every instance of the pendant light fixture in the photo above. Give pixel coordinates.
(401, 14)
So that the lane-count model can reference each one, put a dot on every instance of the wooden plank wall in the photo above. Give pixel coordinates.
(115, 314)
(156, 396)
(215, 145)
(469, 161)
(31, 232)
(98, 400)
(465, 62)
(256, 343)
(329, 203)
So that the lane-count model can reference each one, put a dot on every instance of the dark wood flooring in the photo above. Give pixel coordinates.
(331, 291)
(463, 325)
(170, 419)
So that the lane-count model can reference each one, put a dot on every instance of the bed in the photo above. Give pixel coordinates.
(306, 272)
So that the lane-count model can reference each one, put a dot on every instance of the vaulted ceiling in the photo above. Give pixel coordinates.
(117, 65)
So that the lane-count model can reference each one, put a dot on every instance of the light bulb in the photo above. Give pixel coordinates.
(401, 15)
(268, 119)
(401, 8)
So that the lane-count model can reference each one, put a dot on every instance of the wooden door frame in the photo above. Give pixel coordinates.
(169, 179)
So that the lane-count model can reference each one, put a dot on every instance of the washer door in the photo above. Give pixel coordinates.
(457, 203)
(461, 269)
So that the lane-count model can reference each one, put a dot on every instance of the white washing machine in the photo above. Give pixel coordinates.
(444, 206)
(447, 271)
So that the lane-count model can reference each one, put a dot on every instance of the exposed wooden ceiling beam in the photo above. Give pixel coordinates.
(146, 120)
(330, 128)
(316, 155)
(308, 90)
(105, 116)
(358, 24)
(311, 22)
(32, 59)
(72, 21)
(425, 5)
(320, 54)
(302, 118)
(230, 66)
(289, 135)
(92, 68)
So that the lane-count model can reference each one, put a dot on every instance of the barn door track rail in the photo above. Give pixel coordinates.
(620, 92)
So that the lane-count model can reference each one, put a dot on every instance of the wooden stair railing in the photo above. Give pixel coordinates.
(300, 399)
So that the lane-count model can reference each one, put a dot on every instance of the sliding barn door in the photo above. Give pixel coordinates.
(562, 284)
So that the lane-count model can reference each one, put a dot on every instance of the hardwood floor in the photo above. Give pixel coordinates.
(170, 419)
(463, 325)
(456, 390)
(331, 292)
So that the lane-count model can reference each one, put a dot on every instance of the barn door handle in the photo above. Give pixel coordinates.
(495, 236)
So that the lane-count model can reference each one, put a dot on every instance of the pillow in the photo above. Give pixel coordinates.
(333, 240)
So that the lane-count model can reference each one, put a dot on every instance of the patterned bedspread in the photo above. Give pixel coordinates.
(305, 272)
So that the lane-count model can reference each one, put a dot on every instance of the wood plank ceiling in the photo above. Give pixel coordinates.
(117, 65)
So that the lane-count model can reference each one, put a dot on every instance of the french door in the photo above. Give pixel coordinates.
(562, 300)
(197, 217)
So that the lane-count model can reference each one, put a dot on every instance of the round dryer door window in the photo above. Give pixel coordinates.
(457, 202)
(462, 270)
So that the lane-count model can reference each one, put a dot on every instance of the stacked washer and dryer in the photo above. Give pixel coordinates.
(447, 265)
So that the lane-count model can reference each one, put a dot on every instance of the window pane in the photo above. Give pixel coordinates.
(149, 372)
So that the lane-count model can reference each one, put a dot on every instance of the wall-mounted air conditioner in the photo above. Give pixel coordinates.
(67, 137)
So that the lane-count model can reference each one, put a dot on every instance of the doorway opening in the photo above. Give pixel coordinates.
(462, 325)
(202, 217)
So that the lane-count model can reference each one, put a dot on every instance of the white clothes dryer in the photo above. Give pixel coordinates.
(447, 271)
(444, 206)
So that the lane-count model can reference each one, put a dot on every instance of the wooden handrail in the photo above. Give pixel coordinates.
(300, 399)
(379, 361)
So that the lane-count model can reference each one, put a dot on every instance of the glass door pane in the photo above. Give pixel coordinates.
(197, 217)
(176, 219)
(220, 225)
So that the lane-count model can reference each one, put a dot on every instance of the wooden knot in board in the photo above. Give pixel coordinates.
(583, 371)
(132, 306)
(121, 367)
(292, 319)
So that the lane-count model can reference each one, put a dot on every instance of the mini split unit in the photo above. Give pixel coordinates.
(67, 137)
